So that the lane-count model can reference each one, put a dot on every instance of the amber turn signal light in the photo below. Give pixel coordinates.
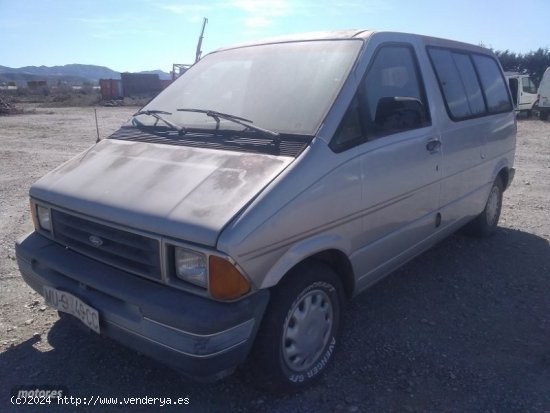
(225, 281)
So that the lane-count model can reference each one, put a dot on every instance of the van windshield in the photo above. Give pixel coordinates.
(283, 87)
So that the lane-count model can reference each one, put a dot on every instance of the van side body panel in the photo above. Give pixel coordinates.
(404, 187)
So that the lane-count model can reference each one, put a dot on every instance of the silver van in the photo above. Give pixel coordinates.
(231, 218)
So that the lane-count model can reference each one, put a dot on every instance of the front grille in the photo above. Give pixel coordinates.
(122, 249)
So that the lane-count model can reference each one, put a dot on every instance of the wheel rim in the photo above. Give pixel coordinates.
(307, 330)
(491, 210)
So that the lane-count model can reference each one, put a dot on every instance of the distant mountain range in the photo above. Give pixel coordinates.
(72, 74)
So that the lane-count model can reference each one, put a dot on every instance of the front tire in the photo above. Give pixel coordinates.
(486, 223)
(299, 333)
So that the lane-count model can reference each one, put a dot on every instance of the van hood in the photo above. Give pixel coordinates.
(182, 192)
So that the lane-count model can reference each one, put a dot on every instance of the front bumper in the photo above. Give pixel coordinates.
(202, 338)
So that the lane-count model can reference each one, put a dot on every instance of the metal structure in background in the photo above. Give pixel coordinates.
(145, 84)
(110, 89)
(199, 44)
(179, 69)
(140, 84)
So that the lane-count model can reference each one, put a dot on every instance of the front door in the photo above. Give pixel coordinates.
(528, 94)
(400, 156)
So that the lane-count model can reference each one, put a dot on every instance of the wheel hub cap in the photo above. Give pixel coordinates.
(307, 330)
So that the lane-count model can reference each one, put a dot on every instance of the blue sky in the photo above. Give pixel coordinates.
(135, 35)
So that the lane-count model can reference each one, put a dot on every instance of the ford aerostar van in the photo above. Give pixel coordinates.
(232, 216)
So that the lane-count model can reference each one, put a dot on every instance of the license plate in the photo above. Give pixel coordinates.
(68, 303)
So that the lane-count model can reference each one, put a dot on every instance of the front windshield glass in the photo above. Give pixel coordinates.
(284, 87)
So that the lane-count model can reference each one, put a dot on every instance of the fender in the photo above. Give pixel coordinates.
(500, 165)
(303, 250)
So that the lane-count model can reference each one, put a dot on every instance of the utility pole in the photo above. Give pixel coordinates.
(199, 44)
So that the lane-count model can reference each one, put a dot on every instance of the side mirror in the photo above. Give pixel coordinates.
(394, 114)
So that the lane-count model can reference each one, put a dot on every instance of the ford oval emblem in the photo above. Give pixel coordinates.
(95, 241)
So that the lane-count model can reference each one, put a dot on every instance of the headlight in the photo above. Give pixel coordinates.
(191, 266)
(44, 218)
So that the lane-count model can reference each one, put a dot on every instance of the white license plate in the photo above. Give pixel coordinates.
(68, 303)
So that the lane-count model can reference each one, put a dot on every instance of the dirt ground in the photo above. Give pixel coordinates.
(463, 327)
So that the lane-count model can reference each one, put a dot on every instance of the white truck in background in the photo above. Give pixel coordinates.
(544, 95)
(524, 91)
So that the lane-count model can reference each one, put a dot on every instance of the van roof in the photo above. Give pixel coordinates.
(326, 35)
(363, 34)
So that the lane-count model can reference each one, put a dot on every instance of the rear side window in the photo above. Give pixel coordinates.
(493, 84)
(458, 82)
(476, 104)
(472, 85)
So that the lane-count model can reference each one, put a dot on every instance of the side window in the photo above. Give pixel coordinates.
(390, 99)
(493, 84)
(467, 72)
(393, 97)
(458, 82)
(528, 85)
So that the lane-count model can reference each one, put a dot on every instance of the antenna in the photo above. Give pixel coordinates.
(96, 126)
(199, 44)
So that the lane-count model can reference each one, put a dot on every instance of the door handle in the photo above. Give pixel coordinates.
(433, 145)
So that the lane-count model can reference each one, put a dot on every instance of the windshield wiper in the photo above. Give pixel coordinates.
(157, 115)
(235, 119)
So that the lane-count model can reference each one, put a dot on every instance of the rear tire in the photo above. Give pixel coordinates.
(486, 223)
(299, 332)
(544, 114)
